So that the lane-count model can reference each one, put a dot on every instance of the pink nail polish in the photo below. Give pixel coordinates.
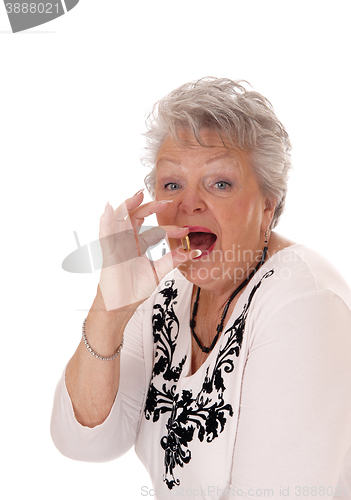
(140, 191)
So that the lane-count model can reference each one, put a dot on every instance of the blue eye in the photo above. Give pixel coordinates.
(222, 184)
(171, 186)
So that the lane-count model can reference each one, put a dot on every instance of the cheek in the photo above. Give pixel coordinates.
(240, 219)
(165, 218)
(159, 220)
(236, 214)
(157, 189)
(249, 210)
(162, 221)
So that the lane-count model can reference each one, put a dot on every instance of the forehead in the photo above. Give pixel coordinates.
(188, 149)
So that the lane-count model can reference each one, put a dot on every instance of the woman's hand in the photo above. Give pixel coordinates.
(127, 275)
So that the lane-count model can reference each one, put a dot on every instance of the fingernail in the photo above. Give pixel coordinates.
(165, 201)
(140, 191)
(106, 207)
(196, 253)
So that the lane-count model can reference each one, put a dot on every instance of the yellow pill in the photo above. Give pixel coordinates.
(186, 243)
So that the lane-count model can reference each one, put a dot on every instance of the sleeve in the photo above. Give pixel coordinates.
(294, 426)
(117, 434)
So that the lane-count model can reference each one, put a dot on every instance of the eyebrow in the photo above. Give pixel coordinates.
(219, 157)
(170, 160)
(211, 160)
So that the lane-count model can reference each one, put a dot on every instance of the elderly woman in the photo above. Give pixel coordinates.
(234, 373)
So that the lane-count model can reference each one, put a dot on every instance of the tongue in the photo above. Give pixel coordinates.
(202, 241)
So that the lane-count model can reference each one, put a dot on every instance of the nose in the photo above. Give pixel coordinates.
(192, 201)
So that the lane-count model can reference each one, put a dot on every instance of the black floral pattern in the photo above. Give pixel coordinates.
(203, 415)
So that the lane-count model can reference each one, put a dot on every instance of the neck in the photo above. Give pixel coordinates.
(222, 294)
(220, 326)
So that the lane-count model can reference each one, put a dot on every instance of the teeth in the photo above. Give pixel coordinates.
(186, 243)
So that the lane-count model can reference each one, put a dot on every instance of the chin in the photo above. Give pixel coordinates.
(200, 273)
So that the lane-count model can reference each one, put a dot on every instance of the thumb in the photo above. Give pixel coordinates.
(172, 260)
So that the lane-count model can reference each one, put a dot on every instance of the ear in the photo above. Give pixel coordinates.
(268, 213)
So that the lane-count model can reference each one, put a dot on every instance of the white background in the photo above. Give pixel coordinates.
(74, 94)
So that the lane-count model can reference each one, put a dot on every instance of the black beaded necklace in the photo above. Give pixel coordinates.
(234, 294)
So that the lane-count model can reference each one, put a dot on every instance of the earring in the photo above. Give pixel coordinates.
(266, 239)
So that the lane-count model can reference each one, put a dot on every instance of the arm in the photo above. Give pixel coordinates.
(295, 415)
(116, 435)
(127, 279)
(92, 384)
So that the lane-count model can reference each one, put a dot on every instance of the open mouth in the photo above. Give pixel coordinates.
(203, 240)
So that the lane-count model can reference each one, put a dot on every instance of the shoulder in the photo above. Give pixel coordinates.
(298, 270)
(298, 280)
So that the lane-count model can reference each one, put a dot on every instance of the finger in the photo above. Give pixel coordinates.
(133, 202)
(158, 233)
(152, 236)
(176, 231)
(122, 212)
(106, 221)
(131, 245)
(174, 259)
(153, 207)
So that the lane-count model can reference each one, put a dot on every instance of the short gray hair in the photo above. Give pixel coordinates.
(242, 117)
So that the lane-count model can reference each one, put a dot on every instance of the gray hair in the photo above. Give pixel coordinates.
(243, 118)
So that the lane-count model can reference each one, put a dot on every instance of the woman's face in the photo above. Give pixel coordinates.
(214, 192)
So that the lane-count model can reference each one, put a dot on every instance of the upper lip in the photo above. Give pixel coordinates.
(199, 229)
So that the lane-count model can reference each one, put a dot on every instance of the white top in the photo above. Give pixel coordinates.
(269, 412)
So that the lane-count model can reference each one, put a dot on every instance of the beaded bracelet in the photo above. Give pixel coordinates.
(102, 358)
